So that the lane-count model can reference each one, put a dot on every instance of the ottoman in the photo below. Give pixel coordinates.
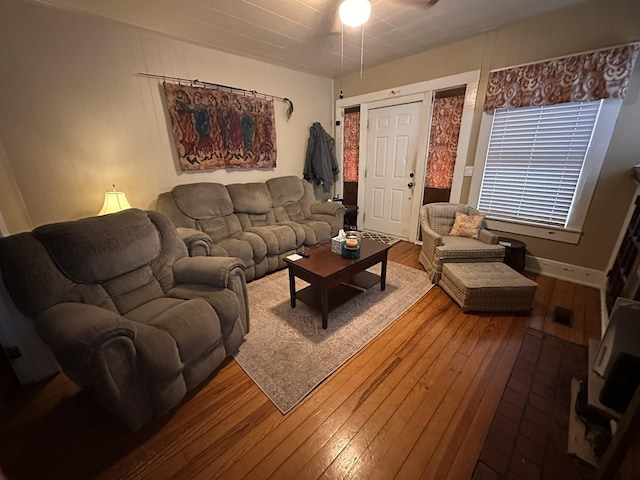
(488, 287)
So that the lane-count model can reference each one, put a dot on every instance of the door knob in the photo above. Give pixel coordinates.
(410, 184)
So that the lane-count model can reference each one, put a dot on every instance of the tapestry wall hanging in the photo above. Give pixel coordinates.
(216, 128)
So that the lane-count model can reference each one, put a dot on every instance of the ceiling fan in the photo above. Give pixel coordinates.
(353, 13)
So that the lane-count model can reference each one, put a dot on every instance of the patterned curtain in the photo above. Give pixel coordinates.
(443, 142)
(351, 146)
(587, 77)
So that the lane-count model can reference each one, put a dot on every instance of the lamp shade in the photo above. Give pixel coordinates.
(114, 202)
(354, 13)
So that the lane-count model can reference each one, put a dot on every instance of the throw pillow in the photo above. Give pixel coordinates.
(466, 225)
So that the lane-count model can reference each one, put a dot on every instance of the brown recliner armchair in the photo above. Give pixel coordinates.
(127, 313)
(438, 246)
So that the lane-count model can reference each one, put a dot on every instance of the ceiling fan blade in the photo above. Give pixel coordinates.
(419, 3)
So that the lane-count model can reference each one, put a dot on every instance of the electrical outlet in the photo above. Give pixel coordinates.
(468, 171)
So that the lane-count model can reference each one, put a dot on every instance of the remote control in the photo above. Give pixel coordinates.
(305, 255)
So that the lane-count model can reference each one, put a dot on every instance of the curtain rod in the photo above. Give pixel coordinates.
(218, 86)
(564, 56)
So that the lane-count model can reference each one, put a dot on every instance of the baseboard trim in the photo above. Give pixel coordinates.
(565, 271)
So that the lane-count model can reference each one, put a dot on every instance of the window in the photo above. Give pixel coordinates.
(540, 165)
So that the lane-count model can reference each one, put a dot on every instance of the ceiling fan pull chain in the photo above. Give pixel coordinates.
(341, 57)
(362, 51)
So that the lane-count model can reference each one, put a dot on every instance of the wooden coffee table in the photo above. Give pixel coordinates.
(334, 279)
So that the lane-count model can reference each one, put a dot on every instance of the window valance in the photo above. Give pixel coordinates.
(579, 78)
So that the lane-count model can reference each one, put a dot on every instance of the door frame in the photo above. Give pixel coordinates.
(421, 91)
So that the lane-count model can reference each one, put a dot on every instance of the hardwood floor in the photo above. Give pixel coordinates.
(416, 402)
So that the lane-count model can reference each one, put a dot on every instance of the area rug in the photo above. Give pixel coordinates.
(380, 237)
(287, 353)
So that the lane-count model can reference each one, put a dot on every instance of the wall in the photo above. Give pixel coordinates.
(75, 118)
(594, 24)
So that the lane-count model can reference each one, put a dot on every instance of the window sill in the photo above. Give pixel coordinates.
(556, 235)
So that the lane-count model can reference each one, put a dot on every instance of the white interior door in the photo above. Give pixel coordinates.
(392, 147)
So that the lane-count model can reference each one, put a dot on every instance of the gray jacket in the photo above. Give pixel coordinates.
(320, 165)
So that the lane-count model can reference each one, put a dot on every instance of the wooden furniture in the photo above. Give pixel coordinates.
(351, 217)
(433, 195)
(624, 276)
(350, 200)
(514, 253)
(334, 279)
(350, 193)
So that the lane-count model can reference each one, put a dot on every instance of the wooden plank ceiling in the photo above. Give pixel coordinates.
(305, 34)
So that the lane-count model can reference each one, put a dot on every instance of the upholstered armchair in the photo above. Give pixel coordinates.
(438, 246)
(127, 313)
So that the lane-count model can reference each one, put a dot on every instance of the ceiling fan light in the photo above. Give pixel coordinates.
(354, 13)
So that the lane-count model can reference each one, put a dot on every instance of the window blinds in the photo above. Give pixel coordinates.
(534, 161)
